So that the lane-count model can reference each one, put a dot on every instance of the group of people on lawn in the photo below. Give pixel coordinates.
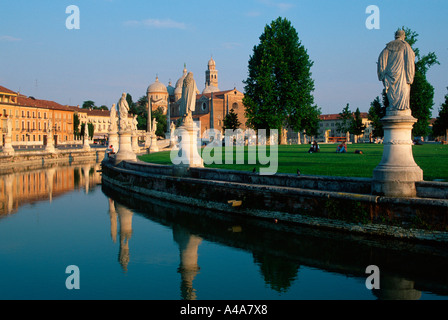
(342, 148)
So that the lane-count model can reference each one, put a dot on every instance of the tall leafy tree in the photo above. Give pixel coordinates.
(278, 90)
(422, 92)
(440, 127)
(347, 117)
(357, 127)
(376, 112)
(76, 125)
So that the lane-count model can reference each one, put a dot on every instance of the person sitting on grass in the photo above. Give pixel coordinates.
(314, 147)
(342, 148)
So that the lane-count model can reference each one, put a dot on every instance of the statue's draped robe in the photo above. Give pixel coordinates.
(189, 92)
(396, 69)
(123, 109)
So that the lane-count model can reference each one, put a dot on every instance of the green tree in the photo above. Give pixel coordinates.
(161, 122)
(422, 92)
(89, 104)
(231, 121)
(357, 128)
(91, 129)
(76, 125)
(376, 112)
(140, 108)
(440, 127)
(278, 90)
(347, 117)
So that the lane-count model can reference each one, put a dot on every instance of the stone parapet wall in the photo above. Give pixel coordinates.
(263, 197)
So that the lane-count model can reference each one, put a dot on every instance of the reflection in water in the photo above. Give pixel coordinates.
(125, 222)
(43, 184)
(280, 250)
(188, 248)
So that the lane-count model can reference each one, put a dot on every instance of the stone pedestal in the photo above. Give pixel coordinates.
(154, 147)
(187, 154)
(135, 146)
(125, 151)
(86, 145)
(113, 140)
(397, 172)
(7, 148)
(50, 144)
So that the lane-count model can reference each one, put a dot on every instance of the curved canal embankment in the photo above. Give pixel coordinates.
(343, 204)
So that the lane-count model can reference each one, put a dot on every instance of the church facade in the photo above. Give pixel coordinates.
(212, 104)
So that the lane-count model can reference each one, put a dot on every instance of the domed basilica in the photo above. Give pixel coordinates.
(212, 104)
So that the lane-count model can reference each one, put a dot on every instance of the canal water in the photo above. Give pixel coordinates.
(123, 246)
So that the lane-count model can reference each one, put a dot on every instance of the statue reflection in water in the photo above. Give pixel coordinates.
(121, 218)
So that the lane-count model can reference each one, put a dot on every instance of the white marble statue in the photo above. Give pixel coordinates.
(154, 125)
(86, 131)
(113, 119)
(134, 123)
(123, 109)
(189, 91)
(9, 126)
(396, 69)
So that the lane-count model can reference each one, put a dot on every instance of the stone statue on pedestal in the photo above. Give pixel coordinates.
(396, 69)
(188, 155)
(188, 100)
(113, 119)
(123, 109)
(397, 172)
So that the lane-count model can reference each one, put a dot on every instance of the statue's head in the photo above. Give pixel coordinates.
(188, 79)
(400, 34)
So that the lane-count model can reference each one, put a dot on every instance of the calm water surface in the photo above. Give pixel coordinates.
(127, 247)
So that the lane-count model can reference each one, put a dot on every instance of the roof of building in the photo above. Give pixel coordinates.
(209, 89)
(37, 103)
(157, 87)
(6, 90)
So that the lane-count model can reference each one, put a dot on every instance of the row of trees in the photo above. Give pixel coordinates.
(278, 90)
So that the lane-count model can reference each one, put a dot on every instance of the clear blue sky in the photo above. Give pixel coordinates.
(122, 45)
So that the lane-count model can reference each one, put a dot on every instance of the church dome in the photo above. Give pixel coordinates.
(157, 87)
(211, 63)
(180, 82)
(210, 89)
(178, 91)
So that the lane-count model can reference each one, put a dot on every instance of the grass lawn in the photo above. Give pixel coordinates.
(431, 158)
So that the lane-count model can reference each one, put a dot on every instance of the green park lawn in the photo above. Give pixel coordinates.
(431, 158)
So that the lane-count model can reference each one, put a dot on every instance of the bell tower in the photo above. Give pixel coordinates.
(211, 75)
